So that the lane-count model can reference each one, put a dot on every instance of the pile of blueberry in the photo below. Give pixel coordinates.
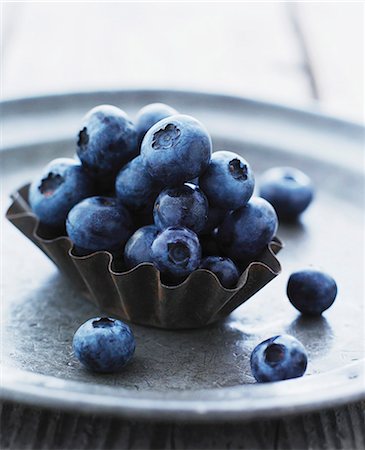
(154, 192)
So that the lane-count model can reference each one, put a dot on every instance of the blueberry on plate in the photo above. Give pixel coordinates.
(104, 344)
(184, 206)
(99, 223)
(228, 182)
(224, 268)
(107, 140)
(245, 232)
(176, 149)
(278, 358)
(138, 248)
(135, 187)
(63, 184)
(215, 218)
(311, 291)
(289, 190)
(151, 114)
(176, 252)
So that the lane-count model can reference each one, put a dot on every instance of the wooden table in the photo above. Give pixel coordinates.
(306, 54)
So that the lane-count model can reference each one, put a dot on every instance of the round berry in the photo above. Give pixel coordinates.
(99, 223)
(278, 358)
(107, 140)
(151, 114)
(245, 232)
(311, 291)
(135, 187)
(104, 344)
(138, 248)
(62, 184)
(224, 268)
(289, 190)
(176, 252)
(228, 182)
(215, 218)
(176, 149)
(184, 206)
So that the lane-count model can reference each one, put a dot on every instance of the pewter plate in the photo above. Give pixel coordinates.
(192, 374)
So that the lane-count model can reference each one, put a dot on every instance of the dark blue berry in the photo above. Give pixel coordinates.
(107, 141)
(99, 223)
(311, 291)
(215, 218)
(289, 190)
(245, 232)
(138, 247)
(278, 358)
(176, 252)
(151, 114)
(63, 184)
(176, 149)
(135, 187)
(225, 269)
(228, 182)
(184, 206)
(209, 244)
(104, 345)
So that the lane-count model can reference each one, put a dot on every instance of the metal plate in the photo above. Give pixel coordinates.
(198, 374)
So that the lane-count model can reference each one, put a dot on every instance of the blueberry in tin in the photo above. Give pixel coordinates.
(135, 187)
(106, 141)
(246, 231)
(138, 247)
(311, 291)
(99, 223)
(228, 182)
(104, 344)
(215, 218)
(176, 252)
(278, 358)
(62, 184)
(151, 114)
(184, 206)
(289, 190)
(224, 268)
(176, 149)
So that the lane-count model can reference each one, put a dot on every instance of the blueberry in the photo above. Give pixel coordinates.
(151, 114)
(107, 141)
(176, 251)
(278, 358)
(209, 244)
(245, 232)
(215, 218)
(104, 345)
(229, 182)
(136, 188)
(311, 291)
(63, 183)
(176, 149)
(289, 190)
(138, 247)
(99, 223)
(184, 206)
(225, 269)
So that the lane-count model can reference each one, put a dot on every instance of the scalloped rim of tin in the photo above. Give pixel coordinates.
(17, 195)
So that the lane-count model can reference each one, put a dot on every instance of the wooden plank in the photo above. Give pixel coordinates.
(334, 33)
(240, 48)
(33, 428)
